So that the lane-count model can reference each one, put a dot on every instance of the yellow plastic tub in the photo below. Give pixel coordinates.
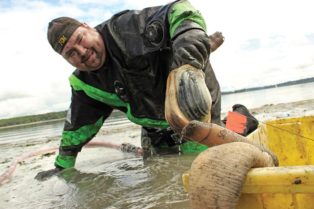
(291, 185)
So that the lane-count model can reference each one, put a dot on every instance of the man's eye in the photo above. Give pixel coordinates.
(72, 54)
(80, 40)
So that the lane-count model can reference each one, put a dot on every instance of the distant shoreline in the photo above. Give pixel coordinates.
(288, 83)
(33, 123)
(42, 118)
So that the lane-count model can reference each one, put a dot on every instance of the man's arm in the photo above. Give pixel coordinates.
(191, 47)
(190, 43)
(84, 119)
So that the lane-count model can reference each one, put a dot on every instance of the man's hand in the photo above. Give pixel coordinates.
(44, 175)
(191, 47)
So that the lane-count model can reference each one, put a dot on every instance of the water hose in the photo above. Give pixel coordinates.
(124, 147)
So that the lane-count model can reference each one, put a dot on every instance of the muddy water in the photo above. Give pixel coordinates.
(128, 183)
(102, 179)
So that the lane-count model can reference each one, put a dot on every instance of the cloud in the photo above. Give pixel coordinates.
(13, 94)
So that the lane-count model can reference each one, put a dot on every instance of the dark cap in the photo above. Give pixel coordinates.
(60, 31)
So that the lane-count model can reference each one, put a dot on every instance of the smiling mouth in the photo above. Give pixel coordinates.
(86, 56)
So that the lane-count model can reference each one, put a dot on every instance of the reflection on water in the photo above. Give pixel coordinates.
(31, 131)
(131, 183)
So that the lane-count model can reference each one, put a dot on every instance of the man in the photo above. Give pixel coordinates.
(123, 64)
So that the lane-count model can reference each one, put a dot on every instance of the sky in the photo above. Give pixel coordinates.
(266, 42)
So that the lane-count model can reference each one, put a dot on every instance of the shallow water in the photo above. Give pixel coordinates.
(103, 178)
(129, 183)
(257, 98)
(107, 178)
(122, 182)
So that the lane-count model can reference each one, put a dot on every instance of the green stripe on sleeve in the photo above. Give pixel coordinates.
(65, 161)
(146, 121)
(78, 137)
(97, 94)
(182, 11)
(81, 135)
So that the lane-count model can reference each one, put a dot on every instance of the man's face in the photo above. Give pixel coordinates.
(85, 49)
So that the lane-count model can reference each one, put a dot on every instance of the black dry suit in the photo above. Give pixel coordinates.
(133, 78)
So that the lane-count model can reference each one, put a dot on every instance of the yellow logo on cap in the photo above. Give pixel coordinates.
(62, 40)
